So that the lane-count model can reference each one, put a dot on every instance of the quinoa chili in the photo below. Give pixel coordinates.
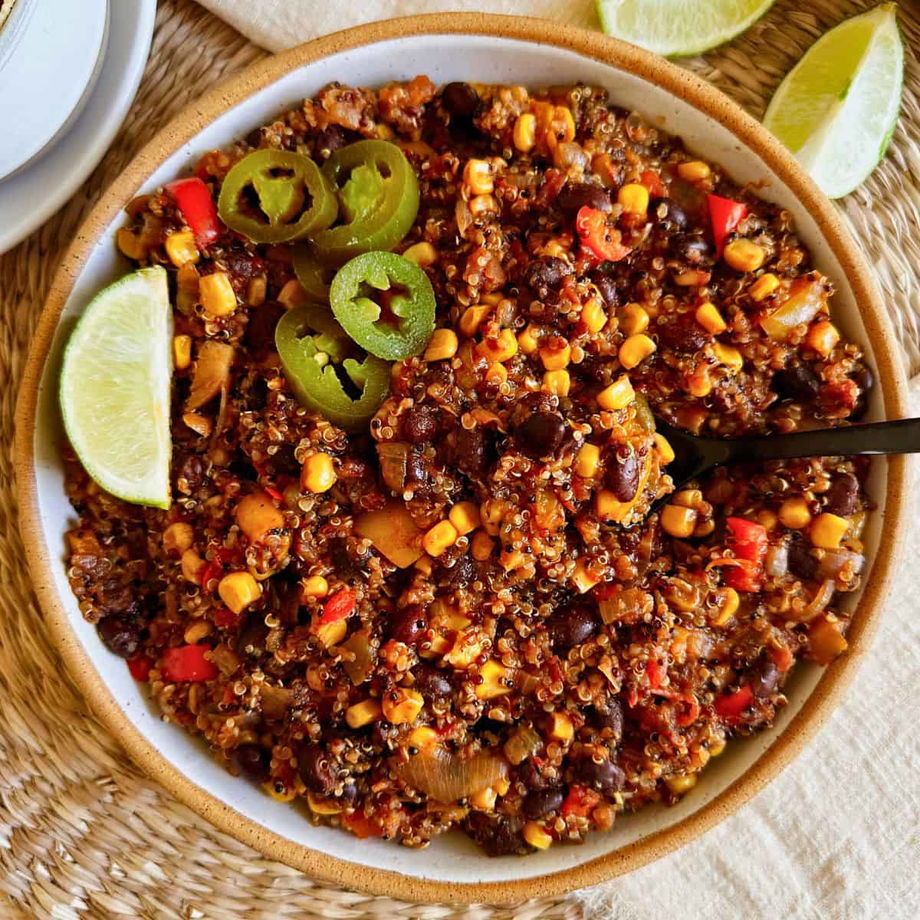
(460, 613)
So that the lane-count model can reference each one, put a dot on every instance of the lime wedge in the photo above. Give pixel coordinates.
(677, 28)
(115, 388)
(837, 108)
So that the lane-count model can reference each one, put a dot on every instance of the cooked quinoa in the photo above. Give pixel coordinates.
(552, 654)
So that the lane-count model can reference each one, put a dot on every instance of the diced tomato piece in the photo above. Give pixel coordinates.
(655, 672)
(362, 826)
(275, 494)
(211, 572)
(139, 666)
(339, 606)
(224, 618)
(580, 801)
(783, 658)
(732, 705)
(747, 538)
(724, 215)
(194, 200)
(187, 664)
(744, 577)
(598, 239)
(652, 181)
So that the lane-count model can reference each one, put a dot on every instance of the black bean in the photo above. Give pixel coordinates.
(682, 338)
(609, 714)
(432, 683)
(498, 836)
(865, 380)
(253, 761)
(545, 275)
(801, 561)
(623, 474)
(460, 99)
(460, 574)
(842, 498)
(605, 776)
(417, 469)
(252, 637)
(577, 195)
(531, 775)
(541, 802)
(540, 434)
(607, 286)
(473, 451)
(692, 249)
(119, 636)
(260, 331)
(254, 138)
(189, 473)
(407, 624)
(243, 264)
(420, 424)
(316, 769)
(798, 382)
(764, 679)
(329, 140)
(572, 626)
(666, 209)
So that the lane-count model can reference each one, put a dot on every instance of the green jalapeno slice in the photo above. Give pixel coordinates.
(314, 277)
(272, 196)
(311, 344)
(378, 200)
(385, 303)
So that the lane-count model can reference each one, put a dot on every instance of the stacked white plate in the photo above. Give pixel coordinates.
(68, 74)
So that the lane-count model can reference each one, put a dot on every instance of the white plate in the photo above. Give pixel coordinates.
(49, 60)
(30, 197)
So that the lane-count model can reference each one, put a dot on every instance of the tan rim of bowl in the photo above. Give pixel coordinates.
(696, 93)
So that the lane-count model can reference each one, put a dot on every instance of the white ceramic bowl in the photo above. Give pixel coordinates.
(488, 49)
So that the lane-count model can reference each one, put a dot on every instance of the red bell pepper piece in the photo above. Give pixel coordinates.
(580, 801)
(339, 606)
(599, 240)
(655, 672)
(224, 618)
(139, 667)
(748, 540)
(652, 181)
(187, 664)
(731, 705)
(193, 199)
(725, 215)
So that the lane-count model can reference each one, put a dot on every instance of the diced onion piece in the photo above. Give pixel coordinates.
(836, 560)
(212, 373)
(807, 297)
(393, 533)
(522, 744)
(776, 562)
(447, 777)
(819, 602)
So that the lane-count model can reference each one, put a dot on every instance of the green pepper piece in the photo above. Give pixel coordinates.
(310, 342)
(314, 277)
(399, 327)
(272, 196)
(378, 196)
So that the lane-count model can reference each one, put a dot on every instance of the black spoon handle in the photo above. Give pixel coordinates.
(898, 437)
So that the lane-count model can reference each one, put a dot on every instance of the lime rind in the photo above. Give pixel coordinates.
(679, 28)
(115, 388)
(838, 108)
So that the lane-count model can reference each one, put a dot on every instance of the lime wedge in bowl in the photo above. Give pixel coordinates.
(677, 28)
(837, 108)
(115, 388)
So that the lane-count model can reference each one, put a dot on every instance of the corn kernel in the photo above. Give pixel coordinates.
(561, 129)
(681, 783)
(608, 507)
(182, 351)
(178, 537)
(196, 632)
(443, 345)
(633, 198)
(536, 836)
(315, 586)
(618, 395)
(495, 680)
(827, 530)
(484, 800)
(699, 383)
(822, 337)
(483, 204)
(217, 295)
(665, 451)
(717, 747)
(181, 248)
(729, 356)
(826, 641)
(794, 513)
(561, 727)
(192, 564)
(257, 516)
(496, 374)
(322, 806)
(763, 287)
(332, 633)
(694, 171)
(422, 254)
(439, 538)
(709, 317)
(744, 255)
(363, 713)
(502, 348)
(477, 177)
(555, 355)
(238, 590)
(525, 132)
(482, 546)
(635, 350)
(256, 291)
(768, 519)
(557, 383)
(472, 318)
(593, 315)
(728, 602)
(423, 737)
(529, 340)
(678, 521)
(687, 498)
(633, 319)
(465, 517)
(402, 706)
(286, 795)
(318, 473)
(587, 460)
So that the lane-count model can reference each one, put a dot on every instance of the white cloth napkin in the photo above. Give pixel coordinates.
(835, 836)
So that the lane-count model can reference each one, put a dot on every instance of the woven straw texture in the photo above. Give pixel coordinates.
(83, 833)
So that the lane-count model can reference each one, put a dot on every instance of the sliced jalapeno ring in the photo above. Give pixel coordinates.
(385, 303)
(272, 196)
(313, 275)
(312, 347)
(378, 198)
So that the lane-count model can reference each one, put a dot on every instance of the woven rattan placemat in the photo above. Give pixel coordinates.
(83, 833)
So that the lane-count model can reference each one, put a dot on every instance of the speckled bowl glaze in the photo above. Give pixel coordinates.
(451, 47)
